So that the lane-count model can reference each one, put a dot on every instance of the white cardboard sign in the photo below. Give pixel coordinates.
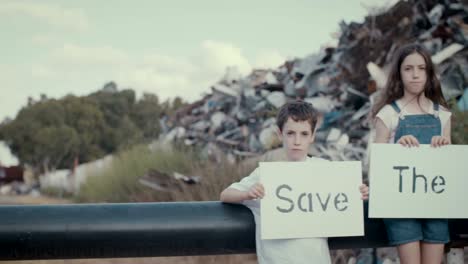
(311, 199)
(418, 182)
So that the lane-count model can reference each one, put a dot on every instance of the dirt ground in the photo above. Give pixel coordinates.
(234, 259)
(28, 199)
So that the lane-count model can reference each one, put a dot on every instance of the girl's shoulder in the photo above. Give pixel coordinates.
(444, 114)
(444, 109)
(387, 110)
(388, 115)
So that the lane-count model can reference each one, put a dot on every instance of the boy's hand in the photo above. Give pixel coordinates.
(438, 141)
(256, 191)
(408, 141)
(364, 192)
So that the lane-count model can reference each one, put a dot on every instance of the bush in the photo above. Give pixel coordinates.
(120, 182)
(460, 127)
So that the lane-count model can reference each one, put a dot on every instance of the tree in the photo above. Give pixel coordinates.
(56, 146)
(146, 114)
(51, 133)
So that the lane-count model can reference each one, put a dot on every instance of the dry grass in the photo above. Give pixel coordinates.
(120, 183)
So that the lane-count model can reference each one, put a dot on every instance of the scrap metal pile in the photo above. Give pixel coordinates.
(237, 118)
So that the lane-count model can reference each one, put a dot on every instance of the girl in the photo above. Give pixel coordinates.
(413, 111)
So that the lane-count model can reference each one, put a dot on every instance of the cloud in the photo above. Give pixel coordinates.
(268, 59)
(167, 76)
(71, 54)
(67, 18)
(164, 63)
(43, 71)
(164, 84)
(12, 86)
(216, 56)
(44, 40)
(79, 69)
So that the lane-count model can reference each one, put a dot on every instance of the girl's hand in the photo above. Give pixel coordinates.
(438, 141)
(408, 141)
(256, 191)
(364, 192)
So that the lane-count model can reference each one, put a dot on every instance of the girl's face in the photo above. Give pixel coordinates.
(413, 74)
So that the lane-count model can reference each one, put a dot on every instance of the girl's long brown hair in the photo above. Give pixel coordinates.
(394, 88)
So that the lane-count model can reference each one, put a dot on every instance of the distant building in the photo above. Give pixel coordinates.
(11, 174)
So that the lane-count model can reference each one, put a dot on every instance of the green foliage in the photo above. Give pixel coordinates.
(460, 127)
(114, 105)
(47, 140)
(177, 103)
(85, 117)
(51, 133)
(169, 107)
(146, 113)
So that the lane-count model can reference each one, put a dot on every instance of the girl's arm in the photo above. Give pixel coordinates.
(382, 133)
(445, 139)
(364, 189)
(447, 131)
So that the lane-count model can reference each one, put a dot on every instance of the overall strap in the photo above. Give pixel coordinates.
(436, 110)
(395, 106)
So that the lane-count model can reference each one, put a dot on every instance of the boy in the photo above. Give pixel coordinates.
(296, 123)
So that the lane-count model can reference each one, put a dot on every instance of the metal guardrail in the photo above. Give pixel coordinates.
(149, 230)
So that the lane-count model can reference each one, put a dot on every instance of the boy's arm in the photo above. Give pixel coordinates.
(232, 195)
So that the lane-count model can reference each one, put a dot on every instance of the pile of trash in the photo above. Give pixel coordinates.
(237, 118)
(16, 180)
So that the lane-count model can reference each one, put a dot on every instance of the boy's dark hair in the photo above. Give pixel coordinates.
(298, 111)
(394, 87)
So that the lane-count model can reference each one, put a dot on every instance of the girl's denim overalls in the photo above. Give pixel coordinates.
(402, 231)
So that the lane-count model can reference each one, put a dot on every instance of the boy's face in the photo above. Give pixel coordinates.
(296, 137)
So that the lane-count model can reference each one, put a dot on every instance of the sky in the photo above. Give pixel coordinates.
(169, 48)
